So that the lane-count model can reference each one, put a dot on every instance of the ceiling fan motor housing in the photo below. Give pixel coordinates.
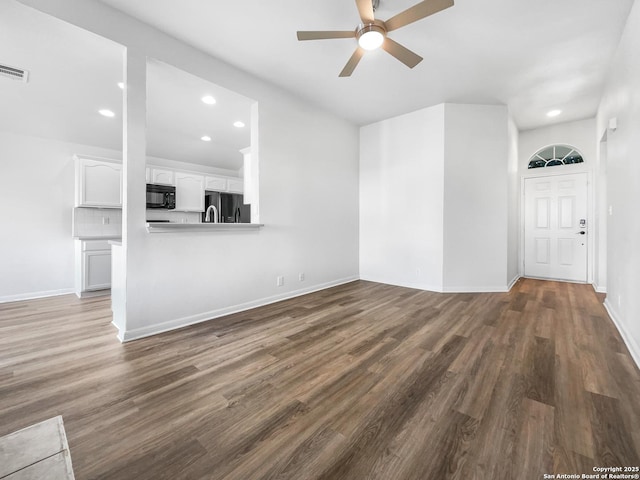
(375, 26)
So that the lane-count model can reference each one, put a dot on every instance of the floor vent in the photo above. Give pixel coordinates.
(14, 73)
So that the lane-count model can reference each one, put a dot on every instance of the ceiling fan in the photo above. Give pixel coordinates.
(372, 33)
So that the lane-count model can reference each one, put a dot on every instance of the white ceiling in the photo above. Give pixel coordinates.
(177, 119)
(73, 74)
(532, 55)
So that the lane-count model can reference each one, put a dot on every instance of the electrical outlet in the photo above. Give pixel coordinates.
(105, 220)
(279, 281)
(301, 276)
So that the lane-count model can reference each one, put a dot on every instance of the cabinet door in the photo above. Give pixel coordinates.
(189, 192)
(217, 184)
(97, 270)
(99, 184)
(235, 185)
(163, 177)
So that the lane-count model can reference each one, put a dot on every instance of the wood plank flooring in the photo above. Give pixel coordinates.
(361, 381)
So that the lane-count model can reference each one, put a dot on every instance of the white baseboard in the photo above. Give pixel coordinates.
(513, 282)
(441, 289)
(93, 293)
(34, 295)
(598, 288)
(138, 333)
(414, 285)
(631, 344)
(476, 289)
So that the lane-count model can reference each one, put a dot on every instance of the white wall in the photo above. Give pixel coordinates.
(621, 100)
(37, 185)
(308, 163)
(433, 199)
(475, 198)
(401, 199)
(513, 204)
(600, 217)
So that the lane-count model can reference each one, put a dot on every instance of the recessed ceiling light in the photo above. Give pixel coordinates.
(554, 113)
(205, 138)
(121, 85)
(106, 113)
(238, 124)
(209, 100)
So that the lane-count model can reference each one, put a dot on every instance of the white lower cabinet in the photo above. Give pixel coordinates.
(97, 270)
(93, 267)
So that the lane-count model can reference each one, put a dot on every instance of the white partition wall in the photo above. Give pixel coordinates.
(434, 200)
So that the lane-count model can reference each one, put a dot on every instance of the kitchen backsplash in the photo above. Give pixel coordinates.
(97, 222)
(107, 222)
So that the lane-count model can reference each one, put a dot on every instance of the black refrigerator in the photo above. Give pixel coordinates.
(229, 207)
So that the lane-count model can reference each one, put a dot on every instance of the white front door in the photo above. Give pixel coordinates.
(555, 227)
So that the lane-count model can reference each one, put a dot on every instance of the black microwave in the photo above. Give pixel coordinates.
(161, 196)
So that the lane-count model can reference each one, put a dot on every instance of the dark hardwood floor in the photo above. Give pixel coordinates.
(361, 381)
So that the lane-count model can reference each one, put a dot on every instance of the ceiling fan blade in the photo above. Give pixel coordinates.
(324, 35)
(417, 12)
(403, 54)
(365, 9)
(352, 63)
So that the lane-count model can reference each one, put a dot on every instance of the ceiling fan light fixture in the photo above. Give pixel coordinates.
(371, 36)
(372, 33)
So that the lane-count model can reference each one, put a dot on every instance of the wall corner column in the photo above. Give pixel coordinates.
(133, 183)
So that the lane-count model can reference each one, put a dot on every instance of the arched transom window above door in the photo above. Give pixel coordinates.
(555, 155)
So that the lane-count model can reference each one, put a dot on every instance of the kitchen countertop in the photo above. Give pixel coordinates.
(161, 227)
(99, 237)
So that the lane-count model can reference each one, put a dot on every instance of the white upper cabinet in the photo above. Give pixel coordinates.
(235, 185)
(216, 184)
(163, 176)
(223, 184)
(98, 183)
(189, 192)
(190, 186)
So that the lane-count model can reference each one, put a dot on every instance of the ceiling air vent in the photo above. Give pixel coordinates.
(14, 73)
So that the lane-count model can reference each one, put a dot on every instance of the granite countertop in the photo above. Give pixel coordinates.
(160, 227)
(98, 237)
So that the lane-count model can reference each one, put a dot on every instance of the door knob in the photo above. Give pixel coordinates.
(581, 233)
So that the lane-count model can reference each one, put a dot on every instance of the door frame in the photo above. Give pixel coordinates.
(566, 170)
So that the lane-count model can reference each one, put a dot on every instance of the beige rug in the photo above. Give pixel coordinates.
(38, 452)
